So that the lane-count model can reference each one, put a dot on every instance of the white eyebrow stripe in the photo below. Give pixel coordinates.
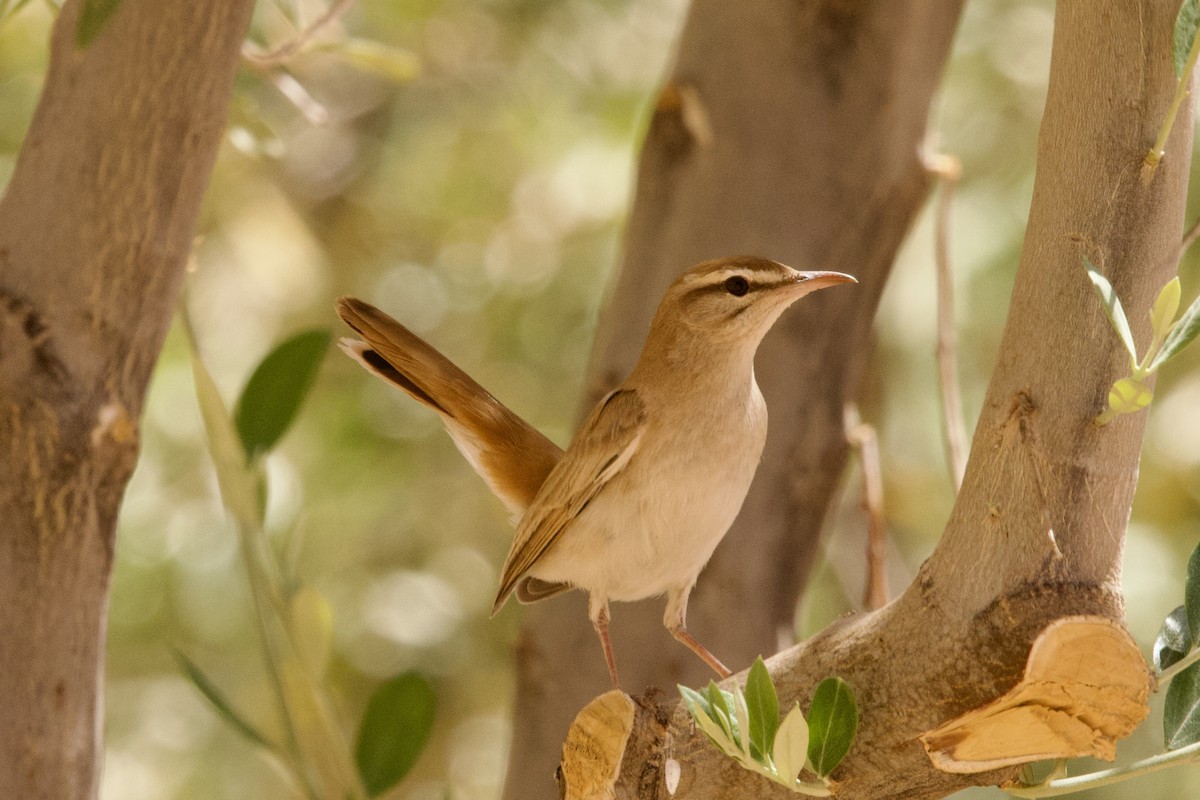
(723, 275)
(726, 274)
(757, 278)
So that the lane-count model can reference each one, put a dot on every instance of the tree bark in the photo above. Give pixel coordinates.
(1037, 531)
(95, 228)
(791, 131)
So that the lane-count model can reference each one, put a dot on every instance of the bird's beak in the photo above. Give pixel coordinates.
(812, 281)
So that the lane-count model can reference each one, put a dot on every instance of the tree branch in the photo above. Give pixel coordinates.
(95, 227)
(1037, 529)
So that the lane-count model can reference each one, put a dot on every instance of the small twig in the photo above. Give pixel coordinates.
(1179, 666)
(1060, 786)
(947, 170)
(1156, 153)
(280, 55)
(861, 436)
(305, 103)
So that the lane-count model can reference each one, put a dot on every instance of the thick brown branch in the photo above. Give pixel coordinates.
(1037, 528)
(95, 228)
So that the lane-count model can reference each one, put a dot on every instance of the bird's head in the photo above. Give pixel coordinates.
(739, 298)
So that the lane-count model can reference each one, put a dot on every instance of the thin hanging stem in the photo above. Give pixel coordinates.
(862, 437)
(947, 169)
(1104, 777)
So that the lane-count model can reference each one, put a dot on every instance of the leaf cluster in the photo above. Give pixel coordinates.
(1132, 393)
(745, 725)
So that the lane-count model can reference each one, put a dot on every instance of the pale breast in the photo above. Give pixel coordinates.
(655, 525)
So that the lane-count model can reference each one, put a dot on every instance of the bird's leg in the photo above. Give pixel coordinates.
(598, 613)
(675, 620)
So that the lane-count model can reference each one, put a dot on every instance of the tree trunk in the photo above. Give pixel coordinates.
(1036, 534)
(95, 229)
(791, 131)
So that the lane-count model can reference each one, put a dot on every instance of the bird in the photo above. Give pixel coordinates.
(657, 472)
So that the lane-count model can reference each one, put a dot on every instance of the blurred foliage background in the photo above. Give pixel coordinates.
(466, 165)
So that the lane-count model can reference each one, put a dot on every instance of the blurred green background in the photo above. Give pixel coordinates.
(467, 166)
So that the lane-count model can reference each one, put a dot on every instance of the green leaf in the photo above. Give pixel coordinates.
(1174, 640)
(1112, 307)
(1181, 335)
(696, 701)
(239, 483)
(718, 736)
(1186, 24)
(394, 730)
(763, 706)
(719, 699)
(1181, 712)
(1128, 396)
(721, 703)
(791, 745)
(1166, 306)
(743, 725)
(1191, 595)
(277, 388)
(832, 723)
(92, 16)
(702, 713)
(219, 702)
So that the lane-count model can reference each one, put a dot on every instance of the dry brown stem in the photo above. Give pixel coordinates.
(862, 438)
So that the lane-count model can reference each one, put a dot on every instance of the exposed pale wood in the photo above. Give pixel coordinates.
(592, 753)
(791, 131)
(1085, 686)
(95, 227)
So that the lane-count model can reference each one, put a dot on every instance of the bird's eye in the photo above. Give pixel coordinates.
(737, 285)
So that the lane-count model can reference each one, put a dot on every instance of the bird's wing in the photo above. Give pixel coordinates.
(509, 453)
(607, 440)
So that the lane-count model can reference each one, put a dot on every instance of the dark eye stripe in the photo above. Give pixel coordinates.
(719, 287)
